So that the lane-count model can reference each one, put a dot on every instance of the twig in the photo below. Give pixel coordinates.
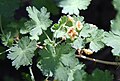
(32, 76)
(99, 61)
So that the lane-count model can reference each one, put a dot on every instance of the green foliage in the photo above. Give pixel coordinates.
(22, 53)
(94, 36)
(8, 7)
(69, 74)
(99, 75)
(114, 43)
(40, 21)
(96, 40)
(79, 75)
(7, 40)
(57, 63)
(73, 6)
(11, 31)
(69, 60)
(57, 46)
(78, 43)
(64, 24)
(52, 56)
(60, 29)
(61, 73)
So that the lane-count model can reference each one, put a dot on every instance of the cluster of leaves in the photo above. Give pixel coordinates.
(57, 54)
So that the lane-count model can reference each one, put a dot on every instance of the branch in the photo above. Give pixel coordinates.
(99, 61)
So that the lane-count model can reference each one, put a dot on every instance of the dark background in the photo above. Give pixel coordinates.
(100, 12)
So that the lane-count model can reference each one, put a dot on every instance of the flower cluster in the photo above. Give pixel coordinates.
(73, 31)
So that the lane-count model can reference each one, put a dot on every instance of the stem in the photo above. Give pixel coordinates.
(58, 30)
(59, 42)
(47, 36)
(4, 51)
(32, 76)
(99, 61)
(1, 26)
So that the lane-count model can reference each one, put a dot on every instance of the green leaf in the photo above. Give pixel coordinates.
(51, 57)
(59, 29)
(93, 35)
(112, 40)
(59, 62)
(69, 59)
(61, 73)
(99, 75)
(115, 28)
(76, 73)
(73, 6)
(78, 43)
(40, 21)
(87, 30)
(7, 40)
(22, 53)
(60, 33)
(79, 75)
(8, 7)
(48, 61)
(64, 73)
(96, 43)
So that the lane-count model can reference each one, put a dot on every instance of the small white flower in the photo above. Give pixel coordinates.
(79, 25)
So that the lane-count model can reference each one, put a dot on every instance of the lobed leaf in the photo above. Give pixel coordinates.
(93, 35)
(40, 21)
(51, 57)
(112, 40)
(73, 6)
(22, 53)
(61, 73)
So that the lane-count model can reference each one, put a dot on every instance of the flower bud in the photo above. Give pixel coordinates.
(79, 25)
(71, 18)
(88, 51)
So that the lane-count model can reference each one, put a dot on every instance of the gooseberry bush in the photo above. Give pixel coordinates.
(57, 45)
